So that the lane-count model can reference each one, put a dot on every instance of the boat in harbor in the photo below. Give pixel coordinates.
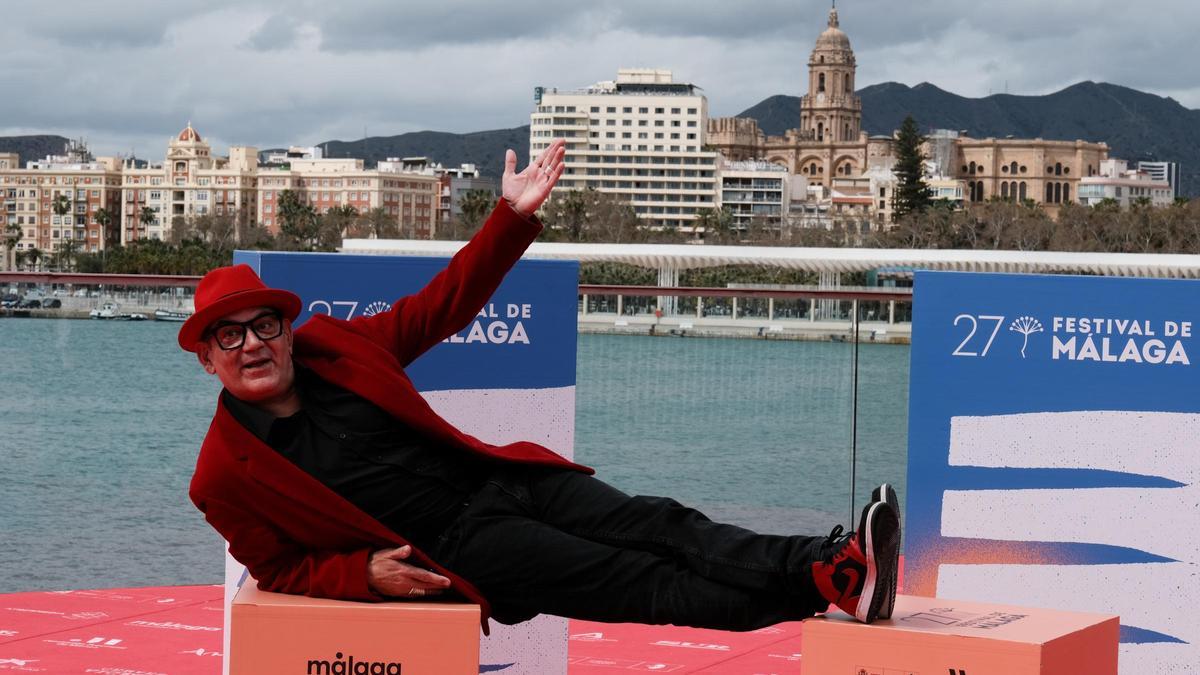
(170, 315)
(107, 311)
(111, 311)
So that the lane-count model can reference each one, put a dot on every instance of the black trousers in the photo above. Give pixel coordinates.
(549, 541)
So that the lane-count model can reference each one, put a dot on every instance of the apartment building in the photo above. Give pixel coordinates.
(28, 199)
(323, 183)
(191, 182)
(453, 183)
(755, 191)
(146, 200)
(640, 137)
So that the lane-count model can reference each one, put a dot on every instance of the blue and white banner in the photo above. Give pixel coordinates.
(508, 376)
(523, 338)
(1054, 451)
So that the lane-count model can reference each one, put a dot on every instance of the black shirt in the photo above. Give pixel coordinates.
(412, 485)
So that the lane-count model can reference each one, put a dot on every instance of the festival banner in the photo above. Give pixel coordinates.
(1054, 451)
(509, 375)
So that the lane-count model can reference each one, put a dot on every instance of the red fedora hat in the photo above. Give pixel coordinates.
(226, 290)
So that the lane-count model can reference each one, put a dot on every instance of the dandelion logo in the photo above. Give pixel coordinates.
(377, 307)
(1026, 325)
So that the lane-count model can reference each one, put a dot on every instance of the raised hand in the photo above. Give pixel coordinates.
(388, 574)
(527, 190)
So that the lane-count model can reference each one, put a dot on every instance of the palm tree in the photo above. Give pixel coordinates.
(297, 219)
(381, 224)
(65, 255)
(333, 225)
(62, 207)
(33, 255)
(146, 216)
(473, 207)
(12, 236)
(103, 217)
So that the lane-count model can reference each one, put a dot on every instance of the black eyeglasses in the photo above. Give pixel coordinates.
(232, 334)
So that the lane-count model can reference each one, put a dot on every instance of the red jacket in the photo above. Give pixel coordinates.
(294, 534)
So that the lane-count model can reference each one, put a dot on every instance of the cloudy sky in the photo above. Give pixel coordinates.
(126, 74)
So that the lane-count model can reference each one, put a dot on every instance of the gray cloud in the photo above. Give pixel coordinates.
(277, 32)
(102, 25)
(275, 72)
(383, 25)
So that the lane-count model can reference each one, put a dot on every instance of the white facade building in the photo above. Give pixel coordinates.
(191, 182)
(292, 153)
(640, 137)
(1125, 186)
(755, 191)
(1163, 172)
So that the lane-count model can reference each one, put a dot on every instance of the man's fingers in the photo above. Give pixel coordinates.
(548, 153)
(559, 160)
(431, 579)
(553, 166)
(510, 161)
(399, 553)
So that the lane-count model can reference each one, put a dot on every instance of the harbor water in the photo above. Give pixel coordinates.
(100, 423)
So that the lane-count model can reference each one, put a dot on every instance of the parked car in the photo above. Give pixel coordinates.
(32, 303)
(9, 300)
(52, 303)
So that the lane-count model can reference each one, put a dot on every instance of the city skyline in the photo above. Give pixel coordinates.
(127, 75)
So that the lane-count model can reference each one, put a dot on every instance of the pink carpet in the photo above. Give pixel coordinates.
(176, 630)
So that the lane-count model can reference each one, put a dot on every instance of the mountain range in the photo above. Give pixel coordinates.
(1136, 125)
(34, 147)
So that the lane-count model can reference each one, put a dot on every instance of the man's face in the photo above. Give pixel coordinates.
(259, 371)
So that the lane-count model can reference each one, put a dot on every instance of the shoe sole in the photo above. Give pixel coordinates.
(886, 494)
(882, 528)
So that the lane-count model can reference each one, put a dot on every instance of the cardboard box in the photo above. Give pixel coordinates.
(280, 634)
(935, 636)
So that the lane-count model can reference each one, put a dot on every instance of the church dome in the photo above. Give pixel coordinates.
(832, 38)
(189, 134)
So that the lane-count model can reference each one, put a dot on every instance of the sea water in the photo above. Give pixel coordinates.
(100, 423)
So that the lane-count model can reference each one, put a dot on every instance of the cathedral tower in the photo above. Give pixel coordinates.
(830, 112)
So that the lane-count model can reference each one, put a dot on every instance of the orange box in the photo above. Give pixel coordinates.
(935, 636)
(275, 633)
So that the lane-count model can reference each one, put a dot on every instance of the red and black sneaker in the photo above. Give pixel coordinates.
(887, 494)
(858, 572)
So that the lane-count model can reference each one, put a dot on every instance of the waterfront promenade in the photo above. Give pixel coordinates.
(792, 313)
(593, 322)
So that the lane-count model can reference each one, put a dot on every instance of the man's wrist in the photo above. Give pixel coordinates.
(512, 205)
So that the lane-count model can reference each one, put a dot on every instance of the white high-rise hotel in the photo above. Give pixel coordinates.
(640, 137)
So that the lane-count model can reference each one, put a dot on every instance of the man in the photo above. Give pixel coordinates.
(329, 475)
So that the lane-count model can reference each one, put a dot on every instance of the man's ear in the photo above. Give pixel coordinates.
(202, 355)
(287, 330)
